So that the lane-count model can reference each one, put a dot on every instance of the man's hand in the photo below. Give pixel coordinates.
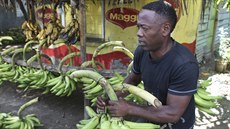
(118, 108)
(101, 104)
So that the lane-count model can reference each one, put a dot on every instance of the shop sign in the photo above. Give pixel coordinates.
(123, 17)
(44, 13)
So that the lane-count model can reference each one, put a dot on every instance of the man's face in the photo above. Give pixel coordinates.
(149, 30)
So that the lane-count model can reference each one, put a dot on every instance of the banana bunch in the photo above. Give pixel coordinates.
(7, 72)
(62, 85)
(71, 32)
(2, 118)
(117, 79)
(91, 89)
(10, 73)
(30, 30)
(105, 121)
(204, 100)
(19, 71)
(15, 122)
(20, 122)
(36, 79)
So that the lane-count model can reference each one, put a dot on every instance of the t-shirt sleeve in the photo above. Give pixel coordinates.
(136, 61)
(184, 80)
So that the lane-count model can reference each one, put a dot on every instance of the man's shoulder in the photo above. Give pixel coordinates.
(183, 53)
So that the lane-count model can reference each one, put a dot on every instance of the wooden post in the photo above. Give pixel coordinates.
(83, 40)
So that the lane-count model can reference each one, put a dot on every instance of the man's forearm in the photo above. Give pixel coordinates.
(163, 114)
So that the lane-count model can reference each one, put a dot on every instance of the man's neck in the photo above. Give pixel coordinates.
(161, 52)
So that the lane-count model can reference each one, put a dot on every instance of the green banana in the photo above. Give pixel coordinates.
(203, 102)
(94, 90)
(105, 125)
(207, 110)
(91, 113)
(206, 95)
(92, 124)
(134, 125)
(205, 83)
(27, 104)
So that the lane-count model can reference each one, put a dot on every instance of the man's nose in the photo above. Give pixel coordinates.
(139, 33)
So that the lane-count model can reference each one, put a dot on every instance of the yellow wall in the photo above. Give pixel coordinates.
(185, 31)
(112, 31)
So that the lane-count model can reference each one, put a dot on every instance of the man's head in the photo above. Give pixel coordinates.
(163, 9)
(155, 23)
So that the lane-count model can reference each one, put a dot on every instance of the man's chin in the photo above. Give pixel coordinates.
(144, 47)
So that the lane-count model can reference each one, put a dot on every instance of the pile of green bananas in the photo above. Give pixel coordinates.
(7, 72)
(15, 122)
(30, 121)
(105, 121)
(92, 89)
(2, 118)
(35, 78)
(204, 100)
(61, 85)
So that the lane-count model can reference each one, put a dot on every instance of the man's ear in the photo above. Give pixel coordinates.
(166, 29)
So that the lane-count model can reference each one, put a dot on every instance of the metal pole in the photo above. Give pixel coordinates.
(103, 19)
(83, 40)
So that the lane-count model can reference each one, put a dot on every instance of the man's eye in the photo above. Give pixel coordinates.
(145, 28)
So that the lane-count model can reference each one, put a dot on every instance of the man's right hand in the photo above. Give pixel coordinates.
(101, 104)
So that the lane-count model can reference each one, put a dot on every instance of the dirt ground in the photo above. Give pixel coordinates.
(54, 112)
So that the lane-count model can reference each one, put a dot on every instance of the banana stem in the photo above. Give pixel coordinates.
(99, 48)
(16, 52)
(143, 94)
(124, 50)
(70, 51)
(42, 42)
(8, 50)
(27, 104)
(47, 57)
(31, 59)
(98, 78)
(89, 63)
(65, 58)
(26, 46)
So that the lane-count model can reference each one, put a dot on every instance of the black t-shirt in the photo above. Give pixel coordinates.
(175, 73)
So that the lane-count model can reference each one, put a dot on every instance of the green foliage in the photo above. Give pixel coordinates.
(224, 3)
(16, 34)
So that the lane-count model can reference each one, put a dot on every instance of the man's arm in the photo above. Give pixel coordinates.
(133, 79)
(169, 113)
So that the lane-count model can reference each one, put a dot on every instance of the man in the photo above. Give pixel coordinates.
(168, 69)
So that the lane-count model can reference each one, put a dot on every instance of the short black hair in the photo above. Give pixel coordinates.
(163, 8)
